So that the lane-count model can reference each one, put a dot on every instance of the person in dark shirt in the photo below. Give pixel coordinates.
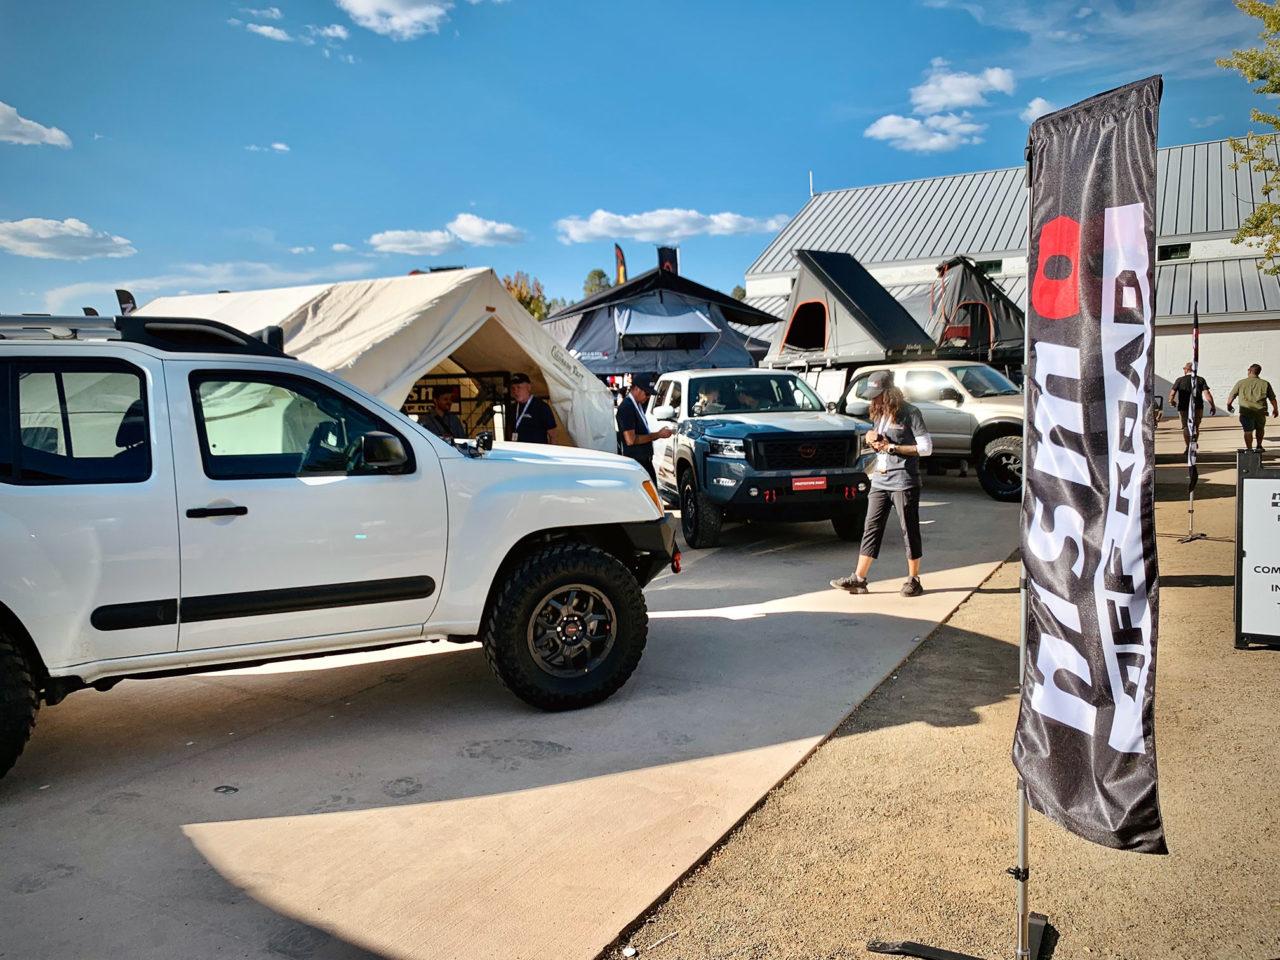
(1180, 396)
(637, 440)
(900, 439)
(440, 419)
(532, 420)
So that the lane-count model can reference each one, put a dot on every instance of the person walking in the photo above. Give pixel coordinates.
(1253, 393)
(532, 420)
(900, 439)
(637, 440)
(1188, 395)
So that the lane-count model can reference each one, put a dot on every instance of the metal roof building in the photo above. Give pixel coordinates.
(901, 231)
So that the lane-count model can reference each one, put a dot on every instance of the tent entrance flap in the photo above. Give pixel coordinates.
(631, 322)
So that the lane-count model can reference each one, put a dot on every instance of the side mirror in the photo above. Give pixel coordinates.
(382, 450)
(664, 412)
(484, 440)
(831, 406)
(951, 393)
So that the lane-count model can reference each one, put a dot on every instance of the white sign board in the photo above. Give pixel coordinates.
(1260, 567)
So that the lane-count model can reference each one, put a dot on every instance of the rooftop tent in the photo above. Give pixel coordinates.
(383, 334)
(839, 312)
(969, 312)
(656, 322)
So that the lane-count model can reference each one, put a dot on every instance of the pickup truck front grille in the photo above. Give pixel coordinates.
(801, 454)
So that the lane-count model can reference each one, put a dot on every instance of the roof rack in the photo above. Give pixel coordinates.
(174, 334)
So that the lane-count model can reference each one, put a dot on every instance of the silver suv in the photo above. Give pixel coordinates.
(973, 412)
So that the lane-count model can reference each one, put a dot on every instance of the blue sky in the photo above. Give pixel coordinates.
(193, 146)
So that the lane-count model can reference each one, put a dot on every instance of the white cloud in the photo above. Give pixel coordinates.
(276, 147)
(1083, 12)
(1202, 122)
(302, 249)
(203, 278)
(16, 129)
(271, 13)
(341, 248)
(423, 243)
(479, 232)
(945, 89)
(280, 147)
(335, 31)
(235, 21)
(398, 19)
(69, 239)
(934, 134)
(1038, 107)
(656, 226)
(271, 33)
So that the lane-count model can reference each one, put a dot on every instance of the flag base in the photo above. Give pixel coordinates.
(909, 948)
(1193, 536)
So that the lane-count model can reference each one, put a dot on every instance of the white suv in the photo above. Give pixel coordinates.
(177, 496)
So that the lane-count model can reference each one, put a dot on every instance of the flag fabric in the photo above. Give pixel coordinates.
(1193, 430)
(620, 263)
(1085, 740)
(126, 301)
(669, 259)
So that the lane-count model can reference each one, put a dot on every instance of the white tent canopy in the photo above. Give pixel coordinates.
(383, 334)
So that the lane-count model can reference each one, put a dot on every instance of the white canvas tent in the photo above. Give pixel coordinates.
(383, 334)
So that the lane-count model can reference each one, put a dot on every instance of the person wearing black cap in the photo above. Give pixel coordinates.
(637, 441)
(899, 437)
(532, 420)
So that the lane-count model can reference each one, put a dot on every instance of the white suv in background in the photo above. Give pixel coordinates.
(177, 496)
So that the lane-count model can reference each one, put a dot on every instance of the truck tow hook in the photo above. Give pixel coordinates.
(675, 562)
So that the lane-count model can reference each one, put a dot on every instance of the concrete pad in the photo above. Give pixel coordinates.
(404, 805)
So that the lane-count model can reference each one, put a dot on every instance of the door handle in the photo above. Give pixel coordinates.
(199, 513)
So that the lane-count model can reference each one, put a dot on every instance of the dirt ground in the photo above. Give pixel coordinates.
(901, 825)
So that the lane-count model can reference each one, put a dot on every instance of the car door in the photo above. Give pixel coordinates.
(87, 511)
(948, 423)
(284, 532)
(664, 449)
(855, 402)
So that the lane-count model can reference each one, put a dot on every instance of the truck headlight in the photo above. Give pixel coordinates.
(730, 449)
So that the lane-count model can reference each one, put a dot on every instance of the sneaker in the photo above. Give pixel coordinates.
(852, 583)
(912, 588)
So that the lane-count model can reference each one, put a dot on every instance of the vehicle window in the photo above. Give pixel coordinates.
(268, 425)
(983, 381)
(924, 385)
(751, 393)
(860, 387)
(677, 395)
(659, 392)
(76, 422)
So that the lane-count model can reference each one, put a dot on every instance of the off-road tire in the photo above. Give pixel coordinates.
(517, 602)
(18, 703)
(700, 518)
(994, 469)
(849, 526)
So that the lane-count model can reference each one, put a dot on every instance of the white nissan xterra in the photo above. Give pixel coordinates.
(177, 496)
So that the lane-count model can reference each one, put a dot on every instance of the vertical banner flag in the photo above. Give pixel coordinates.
(620, 263)
(669, 259)
(126, 301)
(1193, 428)
(1085, 743)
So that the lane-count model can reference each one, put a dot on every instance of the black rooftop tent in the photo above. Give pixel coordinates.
(656, 322)
(970, 315)
(839, 314)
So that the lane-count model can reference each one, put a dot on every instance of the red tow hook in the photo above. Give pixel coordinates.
(675, 562)
(850, 493)
(771, 496)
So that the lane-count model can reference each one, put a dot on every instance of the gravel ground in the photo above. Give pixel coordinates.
(901, 825)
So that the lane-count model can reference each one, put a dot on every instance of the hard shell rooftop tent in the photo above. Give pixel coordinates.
(838, 314)
(383, 334)
(656, 322)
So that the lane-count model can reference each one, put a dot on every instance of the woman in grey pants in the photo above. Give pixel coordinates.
(899, 438)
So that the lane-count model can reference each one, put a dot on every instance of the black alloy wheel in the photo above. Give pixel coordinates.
(1000, 470)
(573, 630)
(700, 519)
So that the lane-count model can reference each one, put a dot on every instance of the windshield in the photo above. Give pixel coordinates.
(751, 393)
(983, 381)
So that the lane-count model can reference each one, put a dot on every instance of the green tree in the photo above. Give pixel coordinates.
(598, 281)
(528, 292)
(738, 293)
(556, 303)
(1260, 65)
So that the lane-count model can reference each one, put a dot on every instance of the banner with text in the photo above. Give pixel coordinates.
(1085, 742)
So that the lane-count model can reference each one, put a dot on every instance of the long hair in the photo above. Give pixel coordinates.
(887, 404)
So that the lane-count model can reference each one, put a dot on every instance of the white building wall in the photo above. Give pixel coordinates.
(1226, 351)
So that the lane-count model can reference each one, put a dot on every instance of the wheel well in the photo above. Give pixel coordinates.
(985, 434)
(11, 625)
(683, 466)
(605, 536)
